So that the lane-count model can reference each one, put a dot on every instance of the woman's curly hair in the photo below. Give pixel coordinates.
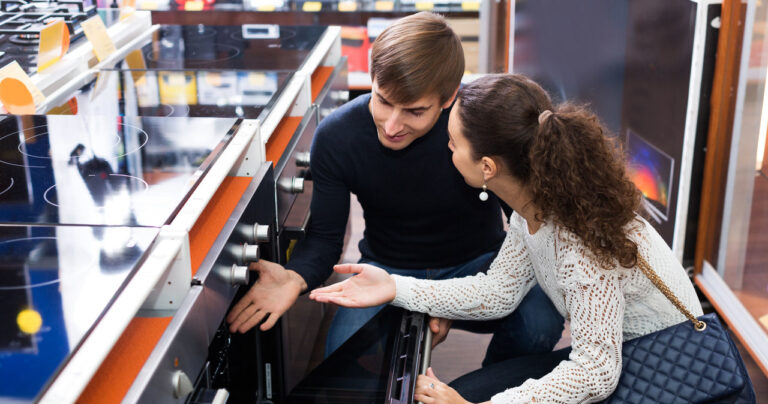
(574, 170)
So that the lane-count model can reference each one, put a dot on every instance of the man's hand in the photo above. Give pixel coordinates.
(272, 295)
(440, 328)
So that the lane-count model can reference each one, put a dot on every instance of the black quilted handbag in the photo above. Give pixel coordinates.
(691, 362)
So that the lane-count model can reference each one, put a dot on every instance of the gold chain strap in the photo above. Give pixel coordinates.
(664, 289)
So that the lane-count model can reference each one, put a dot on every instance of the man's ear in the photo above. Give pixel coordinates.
(450, 100)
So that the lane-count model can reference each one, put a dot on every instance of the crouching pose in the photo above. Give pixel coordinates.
(575, 232)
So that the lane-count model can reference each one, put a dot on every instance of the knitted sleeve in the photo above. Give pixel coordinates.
(479, 297)
(595, 302)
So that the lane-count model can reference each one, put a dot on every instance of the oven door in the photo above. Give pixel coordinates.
(371, 367)
(197, 358)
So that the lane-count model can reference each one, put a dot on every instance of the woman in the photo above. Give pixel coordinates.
(575, 231)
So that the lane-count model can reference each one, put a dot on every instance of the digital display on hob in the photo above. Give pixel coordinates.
(193, 93)
(239, 47)
(103, 170)
(55, 284)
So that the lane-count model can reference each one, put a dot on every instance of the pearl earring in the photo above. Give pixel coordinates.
(484, 194)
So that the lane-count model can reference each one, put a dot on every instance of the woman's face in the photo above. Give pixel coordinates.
(469, 168)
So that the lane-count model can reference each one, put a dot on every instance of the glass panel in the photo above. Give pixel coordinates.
(744, 255)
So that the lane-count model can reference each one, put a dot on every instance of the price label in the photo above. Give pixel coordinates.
(97, 35)
(127, 9)
(425, 5)
(470, 5)
(312, 6)
(17, 92)
(384, 5)
(54, 42)
(347, 6)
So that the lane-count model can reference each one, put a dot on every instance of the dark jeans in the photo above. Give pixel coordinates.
(484, 383)
(534, 327)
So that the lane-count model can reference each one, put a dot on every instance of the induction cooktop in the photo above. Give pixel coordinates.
(55, 284)
(103, 170)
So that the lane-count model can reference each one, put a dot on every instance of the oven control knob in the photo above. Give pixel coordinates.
(294, 185)
(256, 233)
(250, 254)
(238, 275)
(182, 386)
(262, 233)
(302, 159)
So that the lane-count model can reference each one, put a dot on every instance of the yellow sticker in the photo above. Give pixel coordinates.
(470, 5)
(97, 35)
(137, 64)
(347, 6)
(384, 5)
(424, 5)
(312, 6)
(52, 38)
(14, 71)
(193, 5)
(148, 5)
(265, 7)
(127, 9)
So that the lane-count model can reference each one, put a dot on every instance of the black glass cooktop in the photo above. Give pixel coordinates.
(240, 47)
(193, 93)
(103, 170)
(55, 284)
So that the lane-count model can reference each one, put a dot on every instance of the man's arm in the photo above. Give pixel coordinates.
(277, 287)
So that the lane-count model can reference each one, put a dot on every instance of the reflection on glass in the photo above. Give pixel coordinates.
(743, 254)
(104, 170)
(55, 283)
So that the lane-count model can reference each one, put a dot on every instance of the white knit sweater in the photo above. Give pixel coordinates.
(604, 307)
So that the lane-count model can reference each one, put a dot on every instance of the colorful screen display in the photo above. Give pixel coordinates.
(651, 170)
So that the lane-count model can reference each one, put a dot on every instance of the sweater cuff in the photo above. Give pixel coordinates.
(402, 290)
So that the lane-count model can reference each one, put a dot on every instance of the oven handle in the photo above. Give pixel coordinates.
(298, 232)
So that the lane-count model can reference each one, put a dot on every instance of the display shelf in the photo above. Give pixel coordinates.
(238, 17)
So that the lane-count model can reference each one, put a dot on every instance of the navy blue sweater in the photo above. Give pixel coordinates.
(419, 213)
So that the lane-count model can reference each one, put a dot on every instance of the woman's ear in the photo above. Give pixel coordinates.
(489, 167)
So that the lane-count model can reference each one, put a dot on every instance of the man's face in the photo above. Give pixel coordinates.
(398, 125)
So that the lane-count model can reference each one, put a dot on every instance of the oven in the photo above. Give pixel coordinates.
(372, 367)
(197, 359)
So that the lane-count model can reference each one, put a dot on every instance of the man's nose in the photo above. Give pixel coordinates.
(393, 126)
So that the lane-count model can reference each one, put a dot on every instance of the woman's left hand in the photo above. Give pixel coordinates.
(429, 390)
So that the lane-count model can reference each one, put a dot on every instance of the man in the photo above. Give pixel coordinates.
(390, 148)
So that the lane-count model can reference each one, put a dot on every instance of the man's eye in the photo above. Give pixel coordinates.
(417, 114)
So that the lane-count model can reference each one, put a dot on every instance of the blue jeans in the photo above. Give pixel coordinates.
(535, 327)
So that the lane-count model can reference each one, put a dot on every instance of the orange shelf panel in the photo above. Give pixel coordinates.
(281, 137)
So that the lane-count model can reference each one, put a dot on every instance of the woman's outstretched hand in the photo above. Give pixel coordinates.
(371, 286)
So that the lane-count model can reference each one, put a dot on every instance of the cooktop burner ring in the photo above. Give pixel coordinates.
(131, 177)
(7, 188)
(172, 109)
(30, 286)
(141, 132)
(190, 62)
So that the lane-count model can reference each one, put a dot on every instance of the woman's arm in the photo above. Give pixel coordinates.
(479, 297)
(595, 303)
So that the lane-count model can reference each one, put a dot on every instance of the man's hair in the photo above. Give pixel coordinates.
(416, 56)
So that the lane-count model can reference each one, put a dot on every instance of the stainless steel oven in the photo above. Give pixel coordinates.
(197, 359)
